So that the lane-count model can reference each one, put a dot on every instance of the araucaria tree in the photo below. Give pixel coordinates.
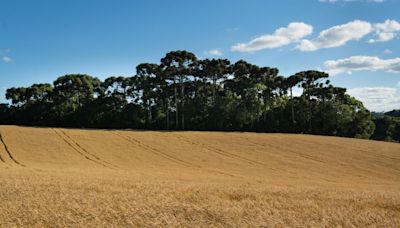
(183, 92)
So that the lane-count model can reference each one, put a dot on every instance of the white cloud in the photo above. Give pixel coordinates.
(337, 36)
(281, 37)
(362, 63)
(387, 51)
(385, 31)
(213, 52)
(6, 59)
(377, 99)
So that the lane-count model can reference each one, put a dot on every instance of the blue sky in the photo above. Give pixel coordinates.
(357, 41)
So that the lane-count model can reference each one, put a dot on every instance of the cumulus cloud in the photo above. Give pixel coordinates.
(377, 99)
(213, 52)
(337, 36)
(385, 31)
(6, 59)
(387, 51)
(281, 37)
(362, 63)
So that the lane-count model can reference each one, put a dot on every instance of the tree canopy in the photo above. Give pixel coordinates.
(183, 92)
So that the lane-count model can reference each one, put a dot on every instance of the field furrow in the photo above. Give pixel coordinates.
(9, 152)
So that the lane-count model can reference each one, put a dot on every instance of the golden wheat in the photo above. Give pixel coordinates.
(97, 178)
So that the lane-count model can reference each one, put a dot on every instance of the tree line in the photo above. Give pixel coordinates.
(387, 126)
(182, 92)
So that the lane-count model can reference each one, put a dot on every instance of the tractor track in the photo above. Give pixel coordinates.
(219, 151)
(156, 151)
(9, 152)
(86, 151)
(78, 151)
(171, 158)
(289, 150)
(2, 159)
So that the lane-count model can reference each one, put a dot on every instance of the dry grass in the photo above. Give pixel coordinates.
(94, 178)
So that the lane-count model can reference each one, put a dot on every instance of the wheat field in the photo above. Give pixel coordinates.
(54, 177)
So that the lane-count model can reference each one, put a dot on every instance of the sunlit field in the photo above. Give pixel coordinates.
(57, 177)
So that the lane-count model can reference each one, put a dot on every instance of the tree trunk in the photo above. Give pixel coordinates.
(79, 99)
(176, 106)
(214, 90)
(149, 113)
(182, 102)
(167, 114)
(292, 107)
(266, 99)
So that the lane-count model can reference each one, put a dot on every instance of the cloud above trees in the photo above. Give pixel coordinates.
(213, 52)
(331, 37)
(385, 31)
(362, 63)
(337, 36)
(378, 99)
(280, 37)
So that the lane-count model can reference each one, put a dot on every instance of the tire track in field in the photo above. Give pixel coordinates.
(172, 158)
(2, 159)
(86, 151)
(219, 151)
(156, 151)
(77, 150)
(309, 157)
(9, 152)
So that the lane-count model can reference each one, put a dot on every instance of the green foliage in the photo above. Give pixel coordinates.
(387, 128)
(393, 113)
(183, 92)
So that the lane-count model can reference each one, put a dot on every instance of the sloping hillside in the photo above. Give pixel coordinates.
(71, 171)
(261, 157)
